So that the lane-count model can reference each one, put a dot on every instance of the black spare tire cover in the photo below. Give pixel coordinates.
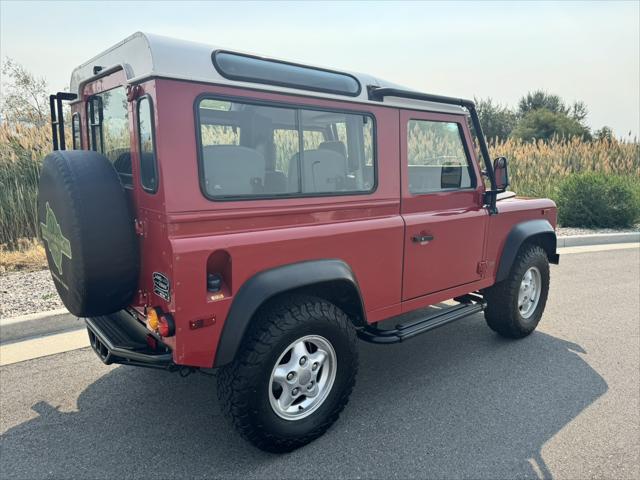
(88, 232)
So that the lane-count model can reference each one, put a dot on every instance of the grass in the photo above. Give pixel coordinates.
(22, 149)
(537, 169)
(28, 255)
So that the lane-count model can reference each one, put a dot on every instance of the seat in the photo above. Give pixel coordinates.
(323, 170)
(233, 170)
(275, 182)
(336, 146)
(122, 164)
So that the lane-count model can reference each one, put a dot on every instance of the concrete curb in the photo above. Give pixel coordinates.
(36, 325)
(33, 316)
(598, 239)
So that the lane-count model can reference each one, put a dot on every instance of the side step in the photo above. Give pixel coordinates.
(470, 304)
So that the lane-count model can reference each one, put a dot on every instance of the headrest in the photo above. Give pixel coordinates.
(335, 146)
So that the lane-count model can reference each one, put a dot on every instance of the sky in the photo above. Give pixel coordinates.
(587, 51)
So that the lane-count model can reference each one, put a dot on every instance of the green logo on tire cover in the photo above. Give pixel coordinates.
(58, 244)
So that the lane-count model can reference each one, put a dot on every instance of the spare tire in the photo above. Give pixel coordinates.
(88, 232)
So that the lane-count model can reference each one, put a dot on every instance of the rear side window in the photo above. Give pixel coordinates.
(274, 72)
(109, 130)
(146, 137)
(250, 150)
(437, 157)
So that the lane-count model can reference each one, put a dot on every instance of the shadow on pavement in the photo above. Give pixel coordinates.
(459, 402)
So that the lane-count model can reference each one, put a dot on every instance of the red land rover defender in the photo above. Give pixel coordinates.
(220, 209)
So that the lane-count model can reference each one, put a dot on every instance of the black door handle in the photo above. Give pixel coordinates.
(422, 238)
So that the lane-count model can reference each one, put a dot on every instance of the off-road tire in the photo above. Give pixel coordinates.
(243, 384)
(502, 313)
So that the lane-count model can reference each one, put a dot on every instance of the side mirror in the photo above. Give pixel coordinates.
(501, 173)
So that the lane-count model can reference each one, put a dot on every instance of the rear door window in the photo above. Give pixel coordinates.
(109, 130)
(76, 131)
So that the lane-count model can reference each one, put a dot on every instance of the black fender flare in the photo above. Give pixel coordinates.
(540, 231)
(265, 285)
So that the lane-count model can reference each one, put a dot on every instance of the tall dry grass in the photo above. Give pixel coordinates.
(536, 170)
(22, 149)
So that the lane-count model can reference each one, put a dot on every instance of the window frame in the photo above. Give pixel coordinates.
(297, 108)
(470, 164)
(139, 100)
(75, 131)
(91, 126)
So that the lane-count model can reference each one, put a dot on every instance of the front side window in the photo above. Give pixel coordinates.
(437, 157)
(109, 130)
(253, 150)
(148, 169)
(76, 132)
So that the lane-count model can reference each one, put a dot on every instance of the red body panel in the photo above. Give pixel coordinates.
(183, 232)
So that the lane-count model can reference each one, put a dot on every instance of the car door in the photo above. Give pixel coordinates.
(441, 204)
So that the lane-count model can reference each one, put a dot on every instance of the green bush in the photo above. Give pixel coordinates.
(594, 199)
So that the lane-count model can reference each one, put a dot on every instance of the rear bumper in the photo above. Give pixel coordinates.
(120, 338)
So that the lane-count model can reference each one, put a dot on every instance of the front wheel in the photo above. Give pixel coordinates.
(515, 305)
(293, 374)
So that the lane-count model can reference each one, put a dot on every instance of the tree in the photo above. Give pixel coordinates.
(554, 103)
(605, 133)
(497, 120)
(24, 96)
(544, 124)
(538, 100)
(579, 111)
(544, 115)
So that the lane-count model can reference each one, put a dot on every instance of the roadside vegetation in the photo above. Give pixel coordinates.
(593, 176)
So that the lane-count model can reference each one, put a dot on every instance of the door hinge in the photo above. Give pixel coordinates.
(482, 268)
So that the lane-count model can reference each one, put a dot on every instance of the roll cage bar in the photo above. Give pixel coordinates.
(490, 196)
(57, 118)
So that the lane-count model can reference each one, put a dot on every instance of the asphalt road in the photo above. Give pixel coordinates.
(456, 402)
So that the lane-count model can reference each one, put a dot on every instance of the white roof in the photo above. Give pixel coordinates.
(144, 55)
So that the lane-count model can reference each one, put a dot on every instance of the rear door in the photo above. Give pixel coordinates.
(441, 204)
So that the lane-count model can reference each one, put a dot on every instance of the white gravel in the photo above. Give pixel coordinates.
(27, 292)
(569, 231)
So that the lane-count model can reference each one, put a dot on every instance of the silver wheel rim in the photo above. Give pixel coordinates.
(302, 377)
(529, 293)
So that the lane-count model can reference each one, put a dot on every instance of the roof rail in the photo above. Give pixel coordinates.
(378, 94)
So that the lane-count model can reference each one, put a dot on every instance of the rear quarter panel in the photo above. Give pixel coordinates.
(366, 230)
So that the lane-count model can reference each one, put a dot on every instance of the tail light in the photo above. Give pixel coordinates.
(160, 322)
(166, 326)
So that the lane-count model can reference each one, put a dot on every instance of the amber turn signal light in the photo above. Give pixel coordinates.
(153, 319)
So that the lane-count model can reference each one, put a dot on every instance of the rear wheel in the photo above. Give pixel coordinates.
(293, 374)
(515, 305)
